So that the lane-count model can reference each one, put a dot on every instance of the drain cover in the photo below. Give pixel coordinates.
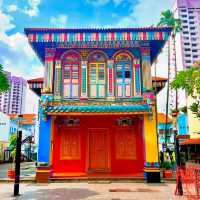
(146, 190)
(119, 190)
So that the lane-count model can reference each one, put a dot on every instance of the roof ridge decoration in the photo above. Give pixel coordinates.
(65, 35)
(148, 28)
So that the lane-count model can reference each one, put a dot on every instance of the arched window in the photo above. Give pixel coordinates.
(71, 71)
(123, 74)
(97, 75)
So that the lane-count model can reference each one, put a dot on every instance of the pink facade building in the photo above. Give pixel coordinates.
(13, 101)
(189, 13)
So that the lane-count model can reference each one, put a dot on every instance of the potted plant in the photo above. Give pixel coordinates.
(174, 112)
(12, 147)
(167, 169)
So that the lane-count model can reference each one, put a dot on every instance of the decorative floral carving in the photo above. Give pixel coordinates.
(124, 121)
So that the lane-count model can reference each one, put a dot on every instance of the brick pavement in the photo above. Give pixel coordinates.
(90, 191)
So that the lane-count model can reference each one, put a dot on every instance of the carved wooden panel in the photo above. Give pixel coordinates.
(125, 141)
(98, 149)
(70, 144)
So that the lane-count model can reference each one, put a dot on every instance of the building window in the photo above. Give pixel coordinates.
(186, 38)
(191, 17)
(194, 45)
(194, 39)
(194, 50)
(70, 69)
(187, 49)
(188, 61)
(97, 75)
(187, 55)
(123, 74)
(186, 43)
(185, 32)
(183, 16)
(195, 56)
(184, 10)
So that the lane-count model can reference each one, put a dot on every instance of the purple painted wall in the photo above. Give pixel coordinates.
(189, 3)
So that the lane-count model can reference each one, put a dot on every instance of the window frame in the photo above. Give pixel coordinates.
(97, 83)
(71, 63)
(123, 83)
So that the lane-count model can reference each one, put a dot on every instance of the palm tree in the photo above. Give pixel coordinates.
(168, 19)
(4, 83)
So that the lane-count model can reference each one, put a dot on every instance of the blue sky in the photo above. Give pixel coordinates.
(15, 52)
(17, 56)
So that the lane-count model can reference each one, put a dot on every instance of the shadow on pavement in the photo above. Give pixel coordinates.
(57, 193)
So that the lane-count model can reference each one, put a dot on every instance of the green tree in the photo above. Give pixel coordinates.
(13, 144)
(168, 19)
(4, 83)
(189, 80)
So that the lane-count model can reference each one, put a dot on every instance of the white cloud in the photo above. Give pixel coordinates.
(16, 54)
(145, 13)
(59, 21)
(12, 8)
(5, 22)
(18, 57)
(32, 10)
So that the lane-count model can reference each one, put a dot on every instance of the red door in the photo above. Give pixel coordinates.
(98, 150)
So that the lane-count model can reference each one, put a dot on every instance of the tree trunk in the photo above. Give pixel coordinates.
(167, 102)
(156, 110)
(175, 66)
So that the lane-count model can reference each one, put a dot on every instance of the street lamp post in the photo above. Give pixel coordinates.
(18, 157)
(178, 157)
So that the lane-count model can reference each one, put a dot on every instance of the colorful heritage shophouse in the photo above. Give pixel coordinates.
(97, 111)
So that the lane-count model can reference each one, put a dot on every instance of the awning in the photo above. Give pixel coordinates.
(145, 108)
(190, 141)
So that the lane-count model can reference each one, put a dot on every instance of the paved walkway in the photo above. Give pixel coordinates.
(90, 191)
(27, 169)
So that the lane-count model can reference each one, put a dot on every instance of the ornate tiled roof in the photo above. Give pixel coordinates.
(106, 38)
(98, 108)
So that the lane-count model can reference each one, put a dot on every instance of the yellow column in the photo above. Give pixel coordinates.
(52, 141)
(150, 136)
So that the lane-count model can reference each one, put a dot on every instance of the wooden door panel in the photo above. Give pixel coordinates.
(98, 150)
(70, 144)
(125, 141)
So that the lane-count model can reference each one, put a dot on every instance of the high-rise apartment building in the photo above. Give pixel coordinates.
(189, 13)
(188, 47)
(13, 101)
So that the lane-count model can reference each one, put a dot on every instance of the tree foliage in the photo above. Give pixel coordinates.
(4, 83)
(13, 144)
(168, 19)
(189, 80)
